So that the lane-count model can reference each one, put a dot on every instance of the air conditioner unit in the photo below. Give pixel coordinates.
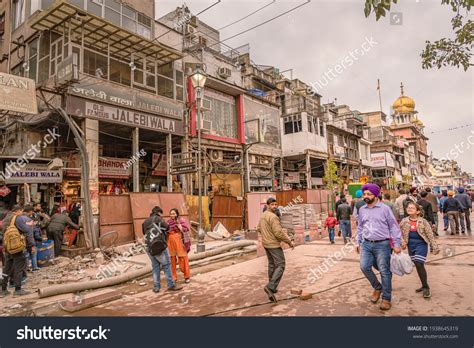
(205, 104)
(206, 125)
(190, 31)
(216, 155)
(264, 160)
(224, 72)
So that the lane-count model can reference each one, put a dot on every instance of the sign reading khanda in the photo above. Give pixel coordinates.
(17, 94)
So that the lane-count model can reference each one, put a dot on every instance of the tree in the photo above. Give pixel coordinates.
(331, 176)
(444, 52)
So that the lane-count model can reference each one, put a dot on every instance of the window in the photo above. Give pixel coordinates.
(165, 80)
(18, 70)
(33, 59)
(292, 124)
(95, 64)
(310, 124)
(18, 13)
(202, 40)
(95, 7)
(2, 24)
(179, 85)
(321, 129)
(120, 72)
(223, 114)
(56, 55)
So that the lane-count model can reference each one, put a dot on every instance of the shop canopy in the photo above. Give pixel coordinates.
(100, 33)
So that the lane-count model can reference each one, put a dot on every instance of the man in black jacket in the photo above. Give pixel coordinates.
(427, 210)
(451, 207)
(155, 231)
(343, 215)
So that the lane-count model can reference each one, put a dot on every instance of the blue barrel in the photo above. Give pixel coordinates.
(45, 253)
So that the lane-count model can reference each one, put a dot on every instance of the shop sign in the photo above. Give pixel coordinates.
(389, 159)
(104, 92)
(292, 177)
(160, 169)
(17, 94)
(35, 174)
(102, 112)
(382, 159)
(109, 167)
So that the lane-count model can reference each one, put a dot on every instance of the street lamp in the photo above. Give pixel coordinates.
(198, 79)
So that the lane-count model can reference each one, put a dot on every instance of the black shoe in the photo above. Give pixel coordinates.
(436, 234)
(20, 292)
(271, 294)
(175, 288)
(445, 229)
(420, 289)
(4, 293)
(463, 232)
(156, 290)
(426, 293)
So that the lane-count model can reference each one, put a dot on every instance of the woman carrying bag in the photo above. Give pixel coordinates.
(417, 234)
(179, 244)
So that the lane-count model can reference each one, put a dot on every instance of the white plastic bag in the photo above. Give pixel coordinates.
(401, 264)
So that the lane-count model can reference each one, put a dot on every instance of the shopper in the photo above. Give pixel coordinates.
(269, 227)
(360, 202)
(466, 205)
(387, 201)
(428, 214)
(411, 197)
(442, 199)
(155, 231)
(376, 227)
(399, 203)
(417, 234)
(330, 223)
(56, 227)
(344, 217)
(179, 245)
(451, 207)
(434, 206)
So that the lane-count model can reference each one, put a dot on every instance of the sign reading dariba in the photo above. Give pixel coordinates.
(17, 94)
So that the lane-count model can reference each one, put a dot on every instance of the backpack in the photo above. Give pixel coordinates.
(13, 241)
(158, 244)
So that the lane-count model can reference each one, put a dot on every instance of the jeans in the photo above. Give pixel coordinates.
(377, 255)
(435, 214)
(465, 214)
(345, 226)
(276, 267)
(13, 270)
(159, 262)
(32, 255)
(331, 233)
(446, 221)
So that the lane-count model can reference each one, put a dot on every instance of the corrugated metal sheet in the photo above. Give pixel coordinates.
(228, 211)
(116, 215)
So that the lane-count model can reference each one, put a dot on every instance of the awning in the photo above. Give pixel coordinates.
(100, 33)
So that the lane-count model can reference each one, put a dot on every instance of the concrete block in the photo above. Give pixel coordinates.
(305, 296)
(296, 291)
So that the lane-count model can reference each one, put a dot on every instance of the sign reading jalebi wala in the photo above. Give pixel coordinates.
(17, 94)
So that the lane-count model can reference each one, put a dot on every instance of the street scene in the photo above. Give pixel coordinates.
(236, 159)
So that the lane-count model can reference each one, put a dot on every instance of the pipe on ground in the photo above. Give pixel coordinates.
(125, 277)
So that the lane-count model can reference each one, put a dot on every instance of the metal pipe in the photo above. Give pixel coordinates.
(200, 245)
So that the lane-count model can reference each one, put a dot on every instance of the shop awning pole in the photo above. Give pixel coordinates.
(89, 235)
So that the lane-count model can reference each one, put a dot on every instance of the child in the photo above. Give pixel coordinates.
(330, 224)
(417, 234)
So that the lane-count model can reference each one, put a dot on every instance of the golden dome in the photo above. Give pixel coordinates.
(403, 103)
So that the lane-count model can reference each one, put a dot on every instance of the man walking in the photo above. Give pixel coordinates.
(56, 227)
(155, 231)
(399, 203)
(15, 263)
(376, 227)
(387, 200)
(269, 227)
(451, 207)
(442, 199)
(466, 205)
(428, 214)
(434, 206)
(343, 215)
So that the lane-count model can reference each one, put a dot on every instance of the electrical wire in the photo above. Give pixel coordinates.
(247, 16)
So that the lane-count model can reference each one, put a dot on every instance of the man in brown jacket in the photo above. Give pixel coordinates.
(272, 236)
(435, 205)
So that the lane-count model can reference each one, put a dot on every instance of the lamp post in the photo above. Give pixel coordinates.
(198, 79)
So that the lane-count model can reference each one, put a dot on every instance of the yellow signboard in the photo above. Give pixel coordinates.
(17, 94)
(364, 179)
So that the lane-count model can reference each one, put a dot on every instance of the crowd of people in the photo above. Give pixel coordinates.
(23, 229)
(383, 227)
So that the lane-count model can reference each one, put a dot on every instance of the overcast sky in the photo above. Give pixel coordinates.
(314, 38)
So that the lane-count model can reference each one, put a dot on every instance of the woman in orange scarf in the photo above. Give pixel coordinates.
(179, 244)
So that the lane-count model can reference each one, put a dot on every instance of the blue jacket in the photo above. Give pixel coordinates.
(25, 225)
(464, 200)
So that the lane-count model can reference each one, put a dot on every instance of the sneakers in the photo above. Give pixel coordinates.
(4, 293)
(426, 293)
(270, 294)
(420, 289)
(187, 281)
(20, 292)
(174, 288)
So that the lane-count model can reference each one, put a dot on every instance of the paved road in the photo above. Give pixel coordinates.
(237, 290)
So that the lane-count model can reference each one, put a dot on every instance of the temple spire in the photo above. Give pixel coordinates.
(401, 87)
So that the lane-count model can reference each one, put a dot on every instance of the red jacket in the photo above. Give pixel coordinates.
(330, 222)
